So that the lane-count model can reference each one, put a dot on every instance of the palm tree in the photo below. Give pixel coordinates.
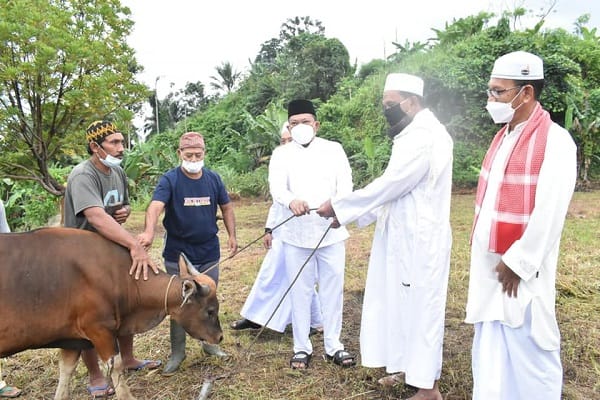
(227, 78)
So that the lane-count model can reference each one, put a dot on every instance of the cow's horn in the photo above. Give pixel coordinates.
(204, 289)
(188, 265)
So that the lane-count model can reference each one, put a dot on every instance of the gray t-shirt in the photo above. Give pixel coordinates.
(4, 228)
(88, 187)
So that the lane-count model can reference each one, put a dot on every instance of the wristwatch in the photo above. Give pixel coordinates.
(268, 230)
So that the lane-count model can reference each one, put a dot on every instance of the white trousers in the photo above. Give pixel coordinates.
(326, 266)
(269, 288)
(509, 365)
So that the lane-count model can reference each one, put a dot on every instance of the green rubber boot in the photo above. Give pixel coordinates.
(178, 335)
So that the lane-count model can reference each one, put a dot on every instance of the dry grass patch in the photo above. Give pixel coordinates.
(258, 367)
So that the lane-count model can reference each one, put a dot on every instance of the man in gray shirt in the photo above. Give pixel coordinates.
(97, 200)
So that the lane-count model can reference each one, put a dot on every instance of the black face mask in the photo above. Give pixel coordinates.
(394, 114)
(399, 127)
(397, 119)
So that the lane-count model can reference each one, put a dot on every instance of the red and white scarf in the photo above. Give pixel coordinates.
(516, 196)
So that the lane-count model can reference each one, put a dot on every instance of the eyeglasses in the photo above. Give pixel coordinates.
(496, 93)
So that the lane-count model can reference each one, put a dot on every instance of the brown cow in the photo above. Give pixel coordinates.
(63, 287)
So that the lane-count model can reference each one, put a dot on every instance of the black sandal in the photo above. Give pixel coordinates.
(244, 323)
(342, 358)
(300, 357)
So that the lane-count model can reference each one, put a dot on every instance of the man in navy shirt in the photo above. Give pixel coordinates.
(189, 194)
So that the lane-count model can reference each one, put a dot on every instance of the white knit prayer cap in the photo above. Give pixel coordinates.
(404, 83)
(519, 66)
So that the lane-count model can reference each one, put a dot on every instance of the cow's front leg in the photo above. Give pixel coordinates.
(107, 348)
(117, 373)
(66, 365)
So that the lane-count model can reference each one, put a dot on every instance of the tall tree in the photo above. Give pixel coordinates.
(227, 79)
(63, 63)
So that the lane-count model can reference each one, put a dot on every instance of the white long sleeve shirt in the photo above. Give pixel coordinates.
(314, 174)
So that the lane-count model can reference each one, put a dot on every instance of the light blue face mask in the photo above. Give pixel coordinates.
(110, 161)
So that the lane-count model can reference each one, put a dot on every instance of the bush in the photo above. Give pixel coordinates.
(28, 205)
(251, 184)
(467, 164)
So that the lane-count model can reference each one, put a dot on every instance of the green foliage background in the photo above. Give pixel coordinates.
(241, 126)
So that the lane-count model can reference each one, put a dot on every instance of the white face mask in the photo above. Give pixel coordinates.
(302, 134)
(192, 167)
(110, 161)
(502, 113)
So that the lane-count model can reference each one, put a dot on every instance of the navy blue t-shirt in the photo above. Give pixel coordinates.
(190, 214)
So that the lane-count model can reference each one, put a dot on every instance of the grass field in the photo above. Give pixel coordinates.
(258, 367)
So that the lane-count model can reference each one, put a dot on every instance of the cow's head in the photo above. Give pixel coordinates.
(199, 310)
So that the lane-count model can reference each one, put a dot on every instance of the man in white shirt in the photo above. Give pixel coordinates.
(302, 175)
(271, 281)
(525, 186)
(402, 326)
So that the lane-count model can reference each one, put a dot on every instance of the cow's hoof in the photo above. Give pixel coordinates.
(214, 350)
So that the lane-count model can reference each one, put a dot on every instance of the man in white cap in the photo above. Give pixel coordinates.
(302, 175)
(525, 186)
(271, 282)
(402, 327)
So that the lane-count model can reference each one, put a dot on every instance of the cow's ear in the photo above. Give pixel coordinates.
(188, 290)
(186, 268)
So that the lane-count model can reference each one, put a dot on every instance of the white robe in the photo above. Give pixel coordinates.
(526, 324)
(271, 284)
(534, 256)
(402, 326)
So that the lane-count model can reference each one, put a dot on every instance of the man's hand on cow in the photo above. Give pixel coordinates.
(508, 279)
(299, 207)
(140, 262)
(122, 214)
(326, 210)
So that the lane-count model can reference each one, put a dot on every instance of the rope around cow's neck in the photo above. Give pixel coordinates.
(167, 293)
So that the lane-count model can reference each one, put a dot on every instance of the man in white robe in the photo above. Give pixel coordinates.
(302, 175)
(402, 327)
(526, 183)
(266, 301)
